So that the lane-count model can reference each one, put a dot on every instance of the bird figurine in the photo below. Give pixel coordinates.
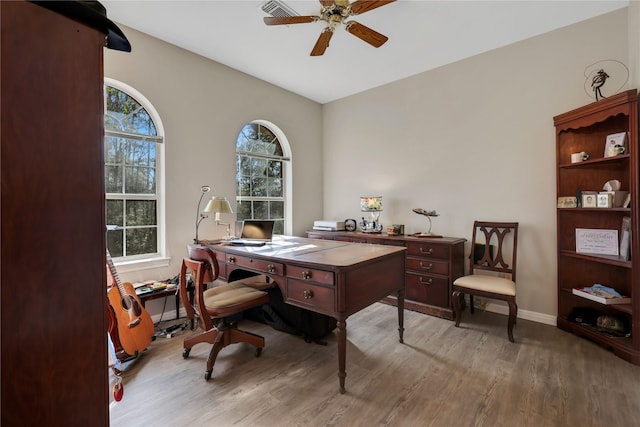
(598, 81)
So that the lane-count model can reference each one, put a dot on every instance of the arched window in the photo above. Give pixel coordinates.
(133, 168)
(262, 175)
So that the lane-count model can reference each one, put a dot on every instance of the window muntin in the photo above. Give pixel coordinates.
(260, 192)
(131, 177)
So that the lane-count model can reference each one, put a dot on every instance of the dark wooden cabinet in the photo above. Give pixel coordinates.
(431, 265)
(53, 288)
(586, 129)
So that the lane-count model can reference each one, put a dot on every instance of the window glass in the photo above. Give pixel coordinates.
(131, 176)
(260, 192)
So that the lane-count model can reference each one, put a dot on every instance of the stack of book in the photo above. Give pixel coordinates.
(602, 294)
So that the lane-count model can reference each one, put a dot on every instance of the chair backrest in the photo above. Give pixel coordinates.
(204, 268)
(494, 247)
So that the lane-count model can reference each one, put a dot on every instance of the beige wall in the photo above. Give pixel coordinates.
(203, 106)
(473, 140)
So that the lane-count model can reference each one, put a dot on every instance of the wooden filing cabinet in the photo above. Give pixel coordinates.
(431, 266)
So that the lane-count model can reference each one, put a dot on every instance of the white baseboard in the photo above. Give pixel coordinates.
(534, 316)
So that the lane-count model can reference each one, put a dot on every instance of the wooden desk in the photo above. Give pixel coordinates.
(433, 264)
(333, 278)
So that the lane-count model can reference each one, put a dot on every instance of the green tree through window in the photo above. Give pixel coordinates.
(131, 166)
(260, 192)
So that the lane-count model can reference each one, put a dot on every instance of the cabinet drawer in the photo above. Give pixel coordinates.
(310, 275)
(305, 294)
(427, 265)
(428, 250)
(272, 268)
(427, 289)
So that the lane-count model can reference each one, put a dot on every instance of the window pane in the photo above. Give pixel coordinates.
(278, 227)
(276, 210)
(140, 180)
(140, 153)
(243, 210)
(142, 241)
(260, 210)
(259, 187)
(114, 242)
(114, 214)
(141, 212)
(125, 114)
(275, 187)
(112, 150)
(113, 179)
(259, 167)
(275, 168)
(243, 187)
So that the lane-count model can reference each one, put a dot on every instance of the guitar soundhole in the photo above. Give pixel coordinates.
(130, 304)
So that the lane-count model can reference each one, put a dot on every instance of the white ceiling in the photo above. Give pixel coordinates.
(423, 34)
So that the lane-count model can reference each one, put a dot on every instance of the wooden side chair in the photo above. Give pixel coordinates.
(214, 307)
(492, 268)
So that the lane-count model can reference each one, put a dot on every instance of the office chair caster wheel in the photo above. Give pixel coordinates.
(185, 353)
(258, 351)
(207, 375)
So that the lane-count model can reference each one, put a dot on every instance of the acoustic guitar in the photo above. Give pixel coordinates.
(134, 325)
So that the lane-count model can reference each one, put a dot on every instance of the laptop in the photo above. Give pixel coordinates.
(255, 232)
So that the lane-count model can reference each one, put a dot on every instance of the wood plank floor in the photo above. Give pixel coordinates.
(440, 376)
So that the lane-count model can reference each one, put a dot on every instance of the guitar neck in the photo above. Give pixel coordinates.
(114, 273)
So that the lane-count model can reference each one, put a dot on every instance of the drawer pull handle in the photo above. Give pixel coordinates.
(232, 260)
(271, 269)
(307, 294)
(426, 267)
(428, 282)
(306, 275)
(429, 252)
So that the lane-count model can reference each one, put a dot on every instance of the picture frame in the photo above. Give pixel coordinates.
(567, 202)
(615, 144)
(597, 241)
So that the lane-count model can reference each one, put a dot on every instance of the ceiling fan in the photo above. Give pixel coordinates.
(334, 13)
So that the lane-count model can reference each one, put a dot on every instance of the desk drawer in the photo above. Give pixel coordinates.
(428, 266)
(315, 297)
(266, 267)
(427, 289)
(310, 275)
(428, 250)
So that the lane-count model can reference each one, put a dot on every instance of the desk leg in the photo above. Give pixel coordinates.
(401, 314)
(342, 352)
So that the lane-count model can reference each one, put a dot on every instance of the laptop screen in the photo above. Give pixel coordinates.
(257, 229)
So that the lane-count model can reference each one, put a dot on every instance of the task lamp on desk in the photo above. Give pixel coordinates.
(220, 205)
(199, 215)
(428, 214)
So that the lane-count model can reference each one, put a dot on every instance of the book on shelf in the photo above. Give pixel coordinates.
(601, 297)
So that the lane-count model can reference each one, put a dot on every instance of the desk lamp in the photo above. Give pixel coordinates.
(372, 204)
(199, 215)
(428, 214)
(220, 205)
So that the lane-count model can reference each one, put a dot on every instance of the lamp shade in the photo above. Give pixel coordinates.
(218, 205)
(371, 204)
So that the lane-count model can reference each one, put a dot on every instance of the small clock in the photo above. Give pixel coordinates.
(350, 224)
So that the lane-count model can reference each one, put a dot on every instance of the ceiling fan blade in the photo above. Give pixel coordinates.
(285, 20)
(326, 3)
(362, 6)
(366, 34)
(323, 42)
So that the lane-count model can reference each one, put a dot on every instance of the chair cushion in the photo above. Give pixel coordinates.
(484, 282)
(229, 294)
